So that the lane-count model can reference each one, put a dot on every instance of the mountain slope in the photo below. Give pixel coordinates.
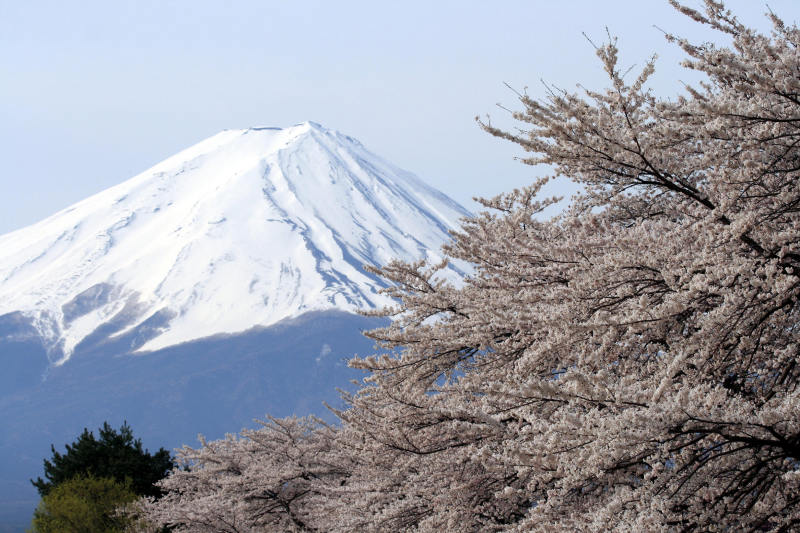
(244, 229)
(212, 386)
(235, 264)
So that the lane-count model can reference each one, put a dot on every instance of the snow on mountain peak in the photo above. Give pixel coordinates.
(243, 229)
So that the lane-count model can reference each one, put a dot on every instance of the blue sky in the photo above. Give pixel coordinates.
(94, 92)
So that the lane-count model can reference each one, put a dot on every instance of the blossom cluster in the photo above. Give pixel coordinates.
(629, 365)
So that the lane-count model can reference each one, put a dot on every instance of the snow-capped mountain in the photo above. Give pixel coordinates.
(243, 229)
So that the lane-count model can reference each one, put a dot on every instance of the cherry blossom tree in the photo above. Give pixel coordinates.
(270, 479)
(630, 364)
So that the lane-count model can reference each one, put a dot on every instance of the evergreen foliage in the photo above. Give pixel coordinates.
(114, 454)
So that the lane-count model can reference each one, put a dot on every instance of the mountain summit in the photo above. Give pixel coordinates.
(244, 229)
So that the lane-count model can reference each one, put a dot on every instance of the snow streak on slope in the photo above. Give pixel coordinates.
(243, 229)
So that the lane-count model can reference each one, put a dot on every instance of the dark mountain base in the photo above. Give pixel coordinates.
(212, 386)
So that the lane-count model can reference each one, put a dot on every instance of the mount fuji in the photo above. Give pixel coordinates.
(219, 285)
(243, 229)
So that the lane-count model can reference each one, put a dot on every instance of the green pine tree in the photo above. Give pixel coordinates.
(115, 454)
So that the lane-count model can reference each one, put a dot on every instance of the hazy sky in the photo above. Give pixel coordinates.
(94, 92)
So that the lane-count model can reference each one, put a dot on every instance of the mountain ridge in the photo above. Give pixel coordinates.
(215, 287)
(243, 229)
